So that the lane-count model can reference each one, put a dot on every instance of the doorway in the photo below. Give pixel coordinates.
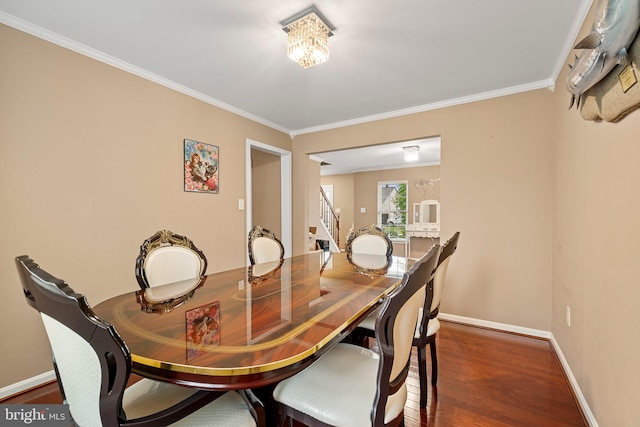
(284, 158)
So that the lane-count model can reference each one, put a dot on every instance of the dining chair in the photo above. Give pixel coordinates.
(93, 364)
(264, 246)
(352, 386)
(370, 240)
(428, 323)
(167, 257)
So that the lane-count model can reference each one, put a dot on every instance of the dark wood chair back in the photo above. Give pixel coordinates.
(82, 345)
(395, 328)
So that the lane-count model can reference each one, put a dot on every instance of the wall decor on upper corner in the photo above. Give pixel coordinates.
(200, 167)
(426, 186)
(598, 92)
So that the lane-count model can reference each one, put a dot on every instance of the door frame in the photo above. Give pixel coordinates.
(285, 190)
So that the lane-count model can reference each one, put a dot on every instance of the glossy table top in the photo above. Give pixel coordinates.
(252, 326)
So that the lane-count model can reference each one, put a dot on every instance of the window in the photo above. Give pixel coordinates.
(392, 208)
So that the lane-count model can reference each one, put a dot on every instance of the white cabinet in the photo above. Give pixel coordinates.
(426, 219)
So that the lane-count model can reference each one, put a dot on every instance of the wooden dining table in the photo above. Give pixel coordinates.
(252, 326)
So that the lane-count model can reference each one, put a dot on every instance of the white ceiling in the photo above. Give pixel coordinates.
(388, 58)
(378, 157)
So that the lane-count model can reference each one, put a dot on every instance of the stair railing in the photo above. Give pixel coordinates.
(329, 217)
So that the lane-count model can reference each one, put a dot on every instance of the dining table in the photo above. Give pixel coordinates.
(251, 326)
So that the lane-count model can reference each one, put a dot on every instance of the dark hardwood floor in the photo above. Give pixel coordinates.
(486, 378)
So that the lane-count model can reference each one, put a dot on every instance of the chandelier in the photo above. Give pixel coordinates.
(411, 153)
(308, 37)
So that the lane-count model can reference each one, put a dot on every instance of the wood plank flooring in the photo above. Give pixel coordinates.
(486, 378)
(491, 378)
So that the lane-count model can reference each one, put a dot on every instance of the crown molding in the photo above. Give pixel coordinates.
(62, 41)
(542, 84)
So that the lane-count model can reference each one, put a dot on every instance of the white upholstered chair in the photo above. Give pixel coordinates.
(352, 386)
(428, 323)
(167, 257)
(370, 240)
(264, 246)
(93, 364)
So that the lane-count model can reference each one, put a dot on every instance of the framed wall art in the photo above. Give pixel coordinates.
(200, 167)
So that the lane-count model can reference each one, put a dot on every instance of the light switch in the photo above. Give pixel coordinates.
(241, 204)
(363, 210)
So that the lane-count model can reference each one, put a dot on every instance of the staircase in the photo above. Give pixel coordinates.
(330, 222)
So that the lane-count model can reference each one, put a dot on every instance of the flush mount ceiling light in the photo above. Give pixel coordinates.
(411, 153)
(308, 37)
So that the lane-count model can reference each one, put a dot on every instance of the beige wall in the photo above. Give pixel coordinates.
(90, 166)
(265, 177)
(496, 189)
(596, 248)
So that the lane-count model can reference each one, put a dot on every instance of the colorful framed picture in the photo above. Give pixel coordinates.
(200, 167)
(203, 329)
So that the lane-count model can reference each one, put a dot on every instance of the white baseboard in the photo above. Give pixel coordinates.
(495, 325)
(586, 410)
(27, 384)
(574, 384)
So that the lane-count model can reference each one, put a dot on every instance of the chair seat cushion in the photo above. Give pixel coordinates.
(370, 323)
(433, 327)
(147, 397)
(339, 388)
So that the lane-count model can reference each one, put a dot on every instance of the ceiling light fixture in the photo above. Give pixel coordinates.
(308, 37)
(411, 153)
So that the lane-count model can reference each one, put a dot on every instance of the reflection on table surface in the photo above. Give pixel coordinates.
(239, 323)
(258, 273)
(165, 298)
(371, 264)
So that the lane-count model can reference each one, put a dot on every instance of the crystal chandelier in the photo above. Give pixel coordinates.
(411, 153)
(308, 37)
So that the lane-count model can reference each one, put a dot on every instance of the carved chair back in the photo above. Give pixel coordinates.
(370, 240)
(167, 257)
(264, 246)
(91, 361)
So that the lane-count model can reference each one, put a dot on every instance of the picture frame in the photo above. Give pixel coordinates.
(201, 167)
